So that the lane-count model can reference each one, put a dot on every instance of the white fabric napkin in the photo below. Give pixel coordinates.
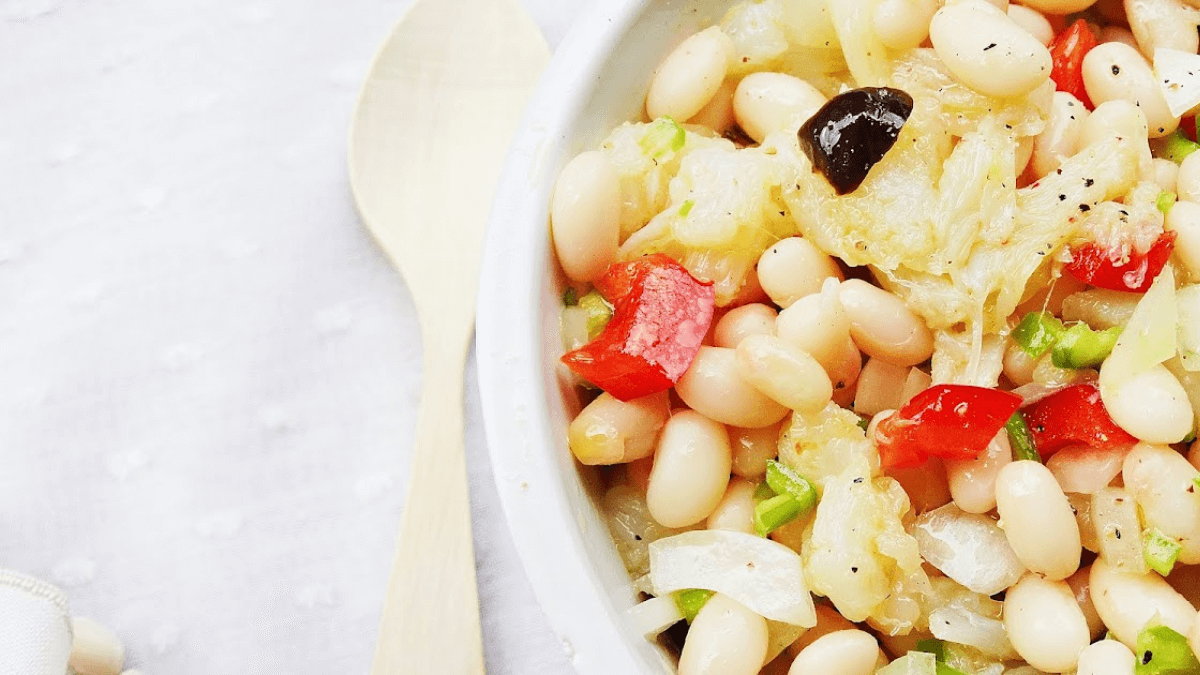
(35, 626)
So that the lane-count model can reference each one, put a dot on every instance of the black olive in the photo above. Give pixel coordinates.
(852, 132)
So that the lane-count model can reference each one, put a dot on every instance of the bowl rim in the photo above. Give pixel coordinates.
(509, 356)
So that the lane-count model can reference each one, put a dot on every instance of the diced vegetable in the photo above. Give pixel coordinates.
(1150, 337)
(690, 601)
(784, 480)
(1178, 146)
(599, 313)
(653, 616)
(1178, 74)
(1163, 651)
(852, 132)
(821, 445)
(1074, 415)
(1165, 201)
(763, 492)
(1187, 301)
(1037, 333)
(763, 575)
(570, 298)
(661, 314)
(1161, 552)
(969, 548)
(686, 208)
(1021, 439)
(663, 136)
(775, 512)
(1067, 51)
(1115, 517)
(938, 649)
(1081, 347)
(951, 421)
(1121, 270)
(912, 663)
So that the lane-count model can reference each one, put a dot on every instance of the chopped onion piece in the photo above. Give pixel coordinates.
(1084, 469)
(1148, 338)
(780, 636)
(1115, 516)
(1188, 301)
(763, 575)
(912, 663)
(1035, 391)
(961, 626)
(655, 615)
(1178, 74)
(969, 548)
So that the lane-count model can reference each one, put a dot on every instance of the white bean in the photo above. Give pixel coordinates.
(844, 371)
(1018, 365)
(1106, 657)
(1080, 584)
(724, 639)
(883, 326)
(735, 511)
(843, 652)
(691, 470)
(1160, 481)
(817, 324)
(787, 375)
(1116, 118)
(612, 431)
(987, 51)
(742, 322)
(713, 387)
(1084, 469)
(752, 448)
(1059, 7)
(1166, 173)
(1045, 624)
(1118, 34)
(1152, 406)
(1187, 180)
(95, 650)
(1184, 219)
(903, 24)
(718, 114)
(794, 268)
(1060, 139)
(1127, 602)
(1114, 70)
(880, 386)
(1037, 519)
(1162, 24)
(973, 481)
(585, 216)
(765, 102)
(690, 76)
(1033, 22)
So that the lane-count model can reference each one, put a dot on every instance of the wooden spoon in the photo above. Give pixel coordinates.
(433, 121)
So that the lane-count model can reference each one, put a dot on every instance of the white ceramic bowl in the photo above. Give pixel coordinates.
(596, 81)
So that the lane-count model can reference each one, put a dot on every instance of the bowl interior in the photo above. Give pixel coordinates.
(596, 81)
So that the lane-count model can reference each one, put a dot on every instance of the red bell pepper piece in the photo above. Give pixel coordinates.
(1067, 51)
(660, 316)
(1113, 269)
(951, 421)
(1073, 416)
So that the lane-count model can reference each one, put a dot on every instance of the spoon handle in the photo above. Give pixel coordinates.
(431, 609)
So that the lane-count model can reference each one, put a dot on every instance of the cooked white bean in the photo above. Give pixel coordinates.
(1184, 219)
(724, 639)
(1084, 469)
(1118, 117)
(1166, 173)
(612, 431)
(988, 51)
(585, 216)
(903, 24)
(1100, 308)
(690, 76)
(1118, 34)
(1127, 602)
(742, 322)
(1160, 480)
(1187, 180)
(794, 268)
(1045, 624)
(735, 511)
(843, 652)
(752, 448)
(844, 372)
(1059, 7)
(1115, 71)
(1162, 24)
(1033, 21)
(1018, 365)
(691, 470)
(95, 650)
(1152, 406)
(817, 324)
(713, 387)
(973, 481)
(787, 375)
(717, 114)
(1037, 519)
(1060, 139)
(916, 382)
(1106, 657)
(883, 326)
(880, 385)
(1081, 587)
(766, 102)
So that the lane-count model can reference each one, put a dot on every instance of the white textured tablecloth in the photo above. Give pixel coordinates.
(208, 374)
